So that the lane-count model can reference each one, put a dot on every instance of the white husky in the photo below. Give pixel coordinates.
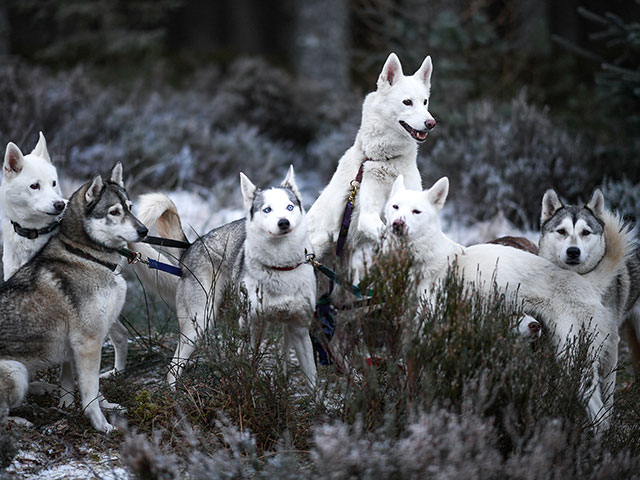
(564, 300)
(263, 253)
(395, 118)
(31, 203)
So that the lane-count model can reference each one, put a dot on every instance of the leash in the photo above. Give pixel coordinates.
(348, 209)
(136, 257)
(333, 276)
(87, 256)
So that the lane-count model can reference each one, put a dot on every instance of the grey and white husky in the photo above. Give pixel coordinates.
(578, 238)
(263, 253)
(60, 305)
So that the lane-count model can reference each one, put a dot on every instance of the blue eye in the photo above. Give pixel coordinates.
(290, 207)
(267, 210)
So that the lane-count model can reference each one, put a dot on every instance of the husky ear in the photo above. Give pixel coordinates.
(596, 204)
(391, 72)
(41, 149)
(437, 194)
(424, 72)
(116, 174)
(290, 182)
(550, 205)
(13, 160)
(398, 186)
(94, 189)
(248, 191)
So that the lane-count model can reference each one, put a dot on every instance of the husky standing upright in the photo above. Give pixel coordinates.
(31, 203)
(395, 119)
(263, 253)
(60, 305)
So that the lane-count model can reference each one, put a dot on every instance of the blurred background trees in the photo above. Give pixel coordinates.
(528, 94)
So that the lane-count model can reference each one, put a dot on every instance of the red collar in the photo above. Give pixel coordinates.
(285, 269)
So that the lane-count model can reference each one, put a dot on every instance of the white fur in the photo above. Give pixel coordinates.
(391, 151)
(29, 207)
(565, 300)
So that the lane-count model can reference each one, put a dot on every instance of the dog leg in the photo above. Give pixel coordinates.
(286, 346)
(304, 351)
(67, 385)
(634, 336)
(87, 362)
(186, 346)
(119, 336)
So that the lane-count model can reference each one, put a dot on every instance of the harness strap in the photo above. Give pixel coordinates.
(136, 257)
(165, 242)
(348, 209)
(33, 233)
(87, 256)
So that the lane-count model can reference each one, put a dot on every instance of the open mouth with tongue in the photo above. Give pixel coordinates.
(417, 135)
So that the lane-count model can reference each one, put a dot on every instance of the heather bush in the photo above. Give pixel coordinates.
(503, 158)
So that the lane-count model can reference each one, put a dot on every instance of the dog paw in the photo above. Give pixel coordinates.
(42, 388)
(23, 422)
(109, 373)
(66, 400)
(114, 407)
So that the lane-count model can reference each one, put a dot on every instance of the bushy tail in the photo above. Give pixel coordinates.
(620, 246)
(158, 212)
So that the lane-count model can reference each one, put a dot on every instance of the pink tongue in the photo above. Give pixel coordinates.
(421, 135)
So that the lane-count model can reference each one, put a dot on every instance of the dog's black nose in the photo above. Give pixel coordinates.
(534, 327)
(573, 253)
(142, 231)
(59, 206)
(283, 224)
(398, 226)
(430, 124)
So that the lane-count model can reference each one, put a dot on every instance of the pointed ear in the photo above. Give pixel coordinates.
(391, 72)
(398, 186)
(424, 72)
(550, 205)
(290, 182)
(94, 189)
(116, 174)
(437, 194)
(248, 191)
(13, 160)
(41, 149)
(596, 204)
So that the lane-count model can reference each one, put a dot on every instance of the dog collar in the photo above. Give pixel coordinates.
(33, 233)
(81, 253)
(285, 269)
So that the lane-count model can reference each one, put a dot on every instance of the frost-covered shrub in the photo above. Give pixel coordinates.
(623, 196)
(503, 158)
(253, 92)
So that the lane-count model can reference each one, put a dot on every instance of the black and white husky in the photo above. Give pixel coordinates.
(263, 253)
(580, 238)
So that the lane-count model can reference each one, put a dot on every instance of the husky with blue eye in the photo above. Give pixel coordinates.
(263, 253)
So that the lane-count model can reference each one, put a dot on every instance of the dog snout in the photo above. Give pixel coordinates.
(430, 124)
(573, 253)
(142, 231)
(399, 227)
(534, 327)
(284, 224)
(59, 206)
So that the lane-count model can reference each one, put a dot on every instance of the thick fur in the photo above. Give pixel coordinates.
(564, 300)
(30, 196)
(600, 242)
(157, 210)
(243, 254)
(60, 305)
(391, 150)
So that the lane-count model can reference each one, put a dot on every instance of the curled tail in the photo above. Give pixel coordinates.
(156, 210)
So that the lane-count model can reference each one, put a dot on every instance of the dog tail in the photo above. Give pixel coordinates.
(156, 210)
(14, 383)
(620, 245)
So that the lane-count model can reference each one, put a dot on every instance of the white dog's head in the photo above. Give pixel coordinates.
(528, 327)
(415, 214)
(572, 237)
(276, 212)
(30, 193)
(402, 102)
